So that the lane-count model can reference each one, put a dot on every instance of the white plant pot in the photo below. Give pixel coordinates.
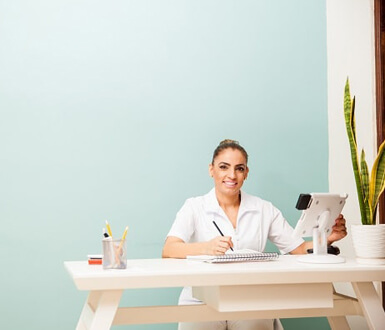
(369, 243)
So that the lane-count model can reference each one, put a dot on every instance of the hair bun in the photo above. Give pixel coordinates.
(228, 141)
(232, 144)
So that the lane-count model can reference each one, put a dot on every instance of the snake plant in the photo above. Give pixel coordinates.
(369, 188)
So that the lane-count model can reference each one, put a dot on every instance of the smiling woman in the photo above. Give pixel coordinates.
(244, 222)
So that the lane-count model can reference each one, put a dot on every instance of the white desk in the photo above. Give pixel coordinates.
(274, 289)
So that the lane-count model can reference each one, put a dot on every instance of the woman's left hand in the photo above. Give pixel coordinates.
(339, 230)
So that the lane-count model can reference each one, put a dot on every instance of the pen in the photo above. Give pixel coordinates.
(220, 232)
(105, 234)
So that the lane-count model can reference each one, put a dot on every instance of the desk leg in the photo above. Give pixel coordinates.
(99, 310)
(338, 323)
(371, 304)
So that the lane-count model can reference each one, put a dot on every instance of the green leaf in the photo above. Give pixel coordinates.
(349, 106)
(368, 212)
(377, 180)
(365, 185)
(353, 120)
(364, 177)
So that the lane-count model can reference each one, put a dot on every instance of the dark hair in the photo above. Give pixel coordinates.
(225, 144)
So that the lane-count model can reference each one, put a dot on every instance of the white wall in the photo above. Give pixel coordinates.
(350, 52)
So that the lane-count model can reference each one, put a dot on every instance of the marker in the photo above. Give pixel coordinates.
(220, 232)
(105, 234)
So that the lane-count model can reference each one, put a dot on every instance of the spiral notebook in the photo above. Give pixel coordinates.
(237, 256)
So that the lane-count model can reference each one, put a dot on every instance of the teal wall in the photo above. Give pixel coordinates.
(111, 110)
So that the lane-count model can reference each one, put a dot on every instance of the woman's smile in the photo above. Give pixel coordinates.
(230, 184)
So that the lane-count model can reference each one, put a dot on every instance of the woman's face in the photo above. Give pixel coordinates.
(229, 171)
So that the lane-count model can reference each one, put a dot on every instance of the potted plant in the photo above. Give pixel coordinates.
(368, 238)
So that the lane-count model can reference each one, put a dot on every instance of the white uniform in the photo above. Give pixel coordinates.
(257, 221)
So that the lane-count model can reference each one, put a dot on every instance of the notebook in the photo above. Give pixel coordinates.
(237, 256)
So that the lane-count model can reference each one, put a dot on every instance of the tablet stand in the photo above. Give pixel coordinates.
(320, 254)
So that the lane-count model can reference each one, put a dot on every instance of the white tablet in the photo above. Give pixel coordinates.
(319, 210)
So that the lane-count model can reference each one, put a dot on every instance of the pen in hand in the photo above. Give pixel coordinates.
(220, 232)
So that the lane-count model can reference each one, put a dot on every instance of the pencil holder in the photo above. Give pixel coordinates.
(114, 253)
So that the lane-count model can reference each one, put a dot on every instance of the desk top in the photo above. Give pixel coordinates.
(158, 273)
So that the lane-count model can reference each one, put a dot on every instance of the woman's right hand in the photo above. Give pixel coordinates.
(174, 247)
(219, 245)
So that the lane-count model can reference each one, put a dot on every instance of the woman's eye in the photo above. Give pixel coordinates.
(240, 169)
(222, 167)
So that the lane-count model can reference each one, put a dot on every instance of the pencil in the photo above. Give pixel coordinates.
(123, 238)
(108, 228)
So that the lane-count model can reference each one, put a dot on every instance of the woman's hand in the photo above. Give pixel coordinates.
(339, 230)
(219, 245)
(174, 247)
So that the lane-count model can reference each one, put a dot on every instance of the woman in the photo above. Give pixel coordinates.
(246, 221)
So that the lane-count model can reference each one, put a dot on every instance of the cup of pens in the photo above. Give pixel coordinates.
(114, 251)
